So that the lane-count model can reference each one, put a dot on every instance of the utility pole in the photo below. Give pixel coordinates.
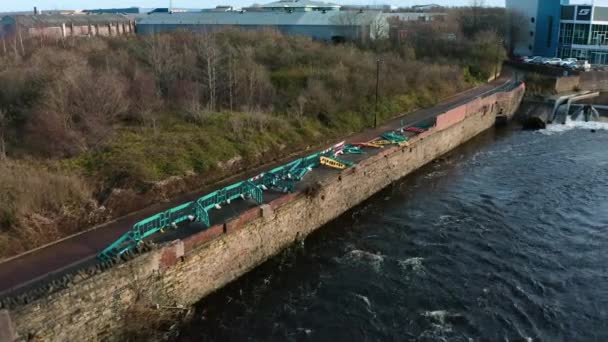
(377, 87)
(498, 44)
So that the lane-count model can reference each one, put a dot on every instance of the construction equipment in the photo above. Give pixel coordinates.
(368, 144)
(332, 163)
(196, 210)
(415, 129)
(393, 137)
(351, 149)
(282, 178)
(382, 142)
(345, 162)
(335, 163)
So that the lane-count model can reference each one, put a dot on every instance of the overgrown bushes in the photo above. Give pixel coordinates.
(80, 117)
(39, 204)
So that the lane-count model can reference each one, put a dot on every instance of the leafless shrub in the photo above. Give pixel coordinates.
(32, 202)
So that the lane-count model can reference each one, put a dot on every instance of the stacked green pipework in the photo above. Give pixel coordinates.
(394, 137)
(282, 178)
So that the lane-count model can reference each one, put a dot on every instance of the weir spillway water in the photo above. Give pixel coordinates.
(539, 114)
(563, 103)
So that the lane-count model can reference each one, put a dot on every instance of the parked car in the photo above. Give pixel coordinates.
(527, 59)
(536, 60)
(566, 62)
(555, 61)
(579, 65)
(543, 60)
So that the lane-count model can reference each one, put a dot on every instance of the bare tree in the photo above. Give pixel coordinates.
(3, 126)
(370, 24)
(476, 5)
(209, 53)
(144, 98)
(231, 77)
(516, 29)
(160, 60)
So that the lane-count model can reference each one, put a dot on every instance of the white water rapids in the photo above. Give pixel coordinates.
(577, 123)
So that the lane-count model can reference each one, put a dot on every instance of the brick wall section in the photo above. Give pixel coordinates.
(196, 240)
(57, 32)
(92, 309)
(596, 80)
(451, 117)
(7, 330)
(240, 221)
(567, 83)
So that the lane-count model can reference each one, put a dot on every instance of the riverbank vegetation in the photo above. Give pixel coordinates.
(84, 121)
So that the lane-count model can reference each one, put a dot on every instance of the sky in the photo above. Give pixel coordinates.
(28, 5)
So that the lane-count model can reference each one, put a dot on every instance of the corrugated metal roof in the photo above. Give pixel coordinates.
(413, 15)
(315, 18)
(297, 4)
(58, 19)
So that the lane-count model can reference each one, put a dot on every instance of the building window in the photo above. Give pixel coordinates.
(567, 13)
(550, 31)
(598, 57)
(565, 33)
(580, 35)
(599, 35)
(530, 47)
(578, 53)
(531, 33)
(532, 20)
(564, 52)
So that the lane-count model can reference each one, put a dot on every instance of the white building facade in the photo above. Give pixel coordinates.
(566, 28)
(583, 32)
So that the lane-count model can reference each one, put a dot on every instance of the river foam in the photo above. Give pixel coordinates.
(574, 124)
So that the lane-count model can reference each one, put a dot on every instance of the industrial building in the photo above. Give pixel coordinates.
(295, 6)
(570, 28)
(319, 25)
(316, 19)
(61, 26)
(126, 10)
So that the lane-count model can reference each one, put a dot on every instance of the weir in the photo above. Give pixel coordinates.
(585, 112)
(537, 114)
(565, 102)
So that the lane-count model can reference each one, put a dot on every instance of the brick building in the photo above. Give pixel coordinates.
(61, 26)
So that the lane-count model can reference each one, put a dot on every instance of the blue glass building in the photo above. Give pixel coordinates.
(566, 28)
(537, 24)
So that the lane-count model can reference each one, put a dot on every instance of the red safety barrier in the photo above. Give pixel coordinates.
(415, 129)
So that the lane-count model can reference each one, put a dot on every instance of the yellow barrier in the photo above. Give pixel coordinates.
(370, 144)
(382, 142)
(332, 163)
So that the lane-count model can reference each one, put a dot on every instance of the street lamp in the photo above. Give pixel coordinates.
(377, 87)
(498, 44)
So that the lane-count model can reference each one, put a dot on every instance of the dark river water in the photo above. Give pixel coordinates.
(505, 239)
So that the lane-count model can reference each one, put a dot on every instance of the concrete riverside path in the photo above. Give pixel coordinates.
(80, 250)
